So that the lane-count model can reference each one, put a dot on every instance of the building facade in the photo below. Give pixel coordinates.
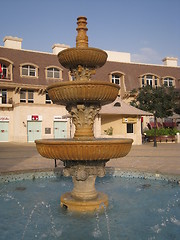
(27, 113)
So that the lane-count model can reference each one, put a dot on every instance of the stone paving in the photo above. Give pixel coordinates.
(164, 159)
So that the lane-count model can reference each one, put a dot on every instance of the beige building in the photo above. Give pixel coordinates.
(27, 113)
(121, 120)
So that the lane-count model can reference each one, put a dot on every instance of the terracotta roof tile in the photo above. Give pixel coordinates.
(131, 71)
(42, 60)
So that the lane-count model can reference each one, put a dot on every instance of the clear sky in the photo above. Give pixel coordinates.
(148, 29)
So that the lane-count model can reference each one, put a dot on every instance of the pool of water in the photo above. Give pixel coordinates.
(138, 209)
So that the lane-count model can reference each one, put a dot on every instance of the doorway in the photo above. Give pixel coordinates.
(60, 129)
(4, 126)
(33, 130)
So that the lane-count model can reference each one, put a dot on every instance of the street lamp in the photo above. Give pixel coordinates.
(155, 128)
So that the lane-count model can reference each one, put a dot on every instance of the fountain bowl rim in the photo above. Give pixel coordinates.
(93, 141)
(79, 82)
(83, 49)
(89, 57)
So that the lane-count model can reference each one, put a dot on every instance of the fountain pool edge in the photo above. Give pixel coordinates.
(115, 172)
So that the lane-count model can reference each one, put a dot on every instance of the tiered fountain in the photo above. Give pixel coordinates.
(84, 156)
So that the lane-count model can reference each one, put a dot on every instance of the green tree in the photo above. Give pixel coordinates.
(159, 101)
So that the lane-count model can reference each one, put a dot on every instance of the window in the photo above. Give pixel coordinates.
(29, 70)
(129, 127)
(168, 82)
(3, 96)
(6, 69)
(117, 104)
(116, 79)
(155, 81)
(53, 73)
(143, 84)
(27, 96)
(3, 71)
(30, 96)
(23, 96)
(73, 78)
(48, 100)
(150, 80)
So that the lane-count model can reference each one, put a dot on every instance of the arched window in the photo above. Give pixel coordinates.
(6, 67)
(3, 71)
(29, 70)
(116, 79)
(168, 82)
(53, 73)
(149, 79)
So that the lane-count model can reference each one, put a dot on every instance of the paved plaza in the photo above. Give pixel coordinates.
(164, 159)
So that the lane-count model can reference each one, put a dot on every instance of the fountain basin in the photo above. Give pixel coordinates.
(84, 160)
(73, 92)
(87, 57)
(77, 150)
(140, 207)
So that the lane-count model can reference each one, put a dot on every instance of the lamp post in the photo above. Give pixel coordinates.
(155, 128)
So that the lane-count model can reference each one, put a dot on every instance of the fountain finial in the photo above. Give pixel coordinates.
(82, 38)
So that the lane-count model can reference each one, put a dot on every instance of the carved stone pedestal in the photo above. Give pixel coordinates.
(84, 196)
(75, 205)
(83, 116)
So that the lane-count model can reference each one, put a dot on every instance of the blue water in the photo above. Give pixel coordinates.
(138, 209)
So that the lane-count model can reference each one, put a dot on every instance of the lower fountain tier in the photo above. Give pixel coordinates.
(84, 160)
(77, 150)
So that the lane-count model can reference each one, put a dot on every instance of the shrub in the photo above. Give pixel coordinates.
(161, 132)
(109, 131)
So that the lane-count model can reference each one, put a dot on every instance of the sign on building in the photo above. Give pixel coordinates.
(129, 120)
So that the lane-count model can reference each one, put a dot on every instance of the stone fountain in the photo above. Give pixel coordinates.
(84, 156)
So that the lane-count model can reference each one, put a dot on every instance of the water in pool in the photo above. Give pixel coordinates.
(138, 209)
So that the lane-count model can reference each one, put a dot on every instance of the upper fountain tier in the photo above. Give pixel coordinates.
(82, 62)
(82, 55)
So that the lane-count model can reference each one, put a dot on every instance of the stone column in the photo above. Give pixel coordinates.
(84, 177)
